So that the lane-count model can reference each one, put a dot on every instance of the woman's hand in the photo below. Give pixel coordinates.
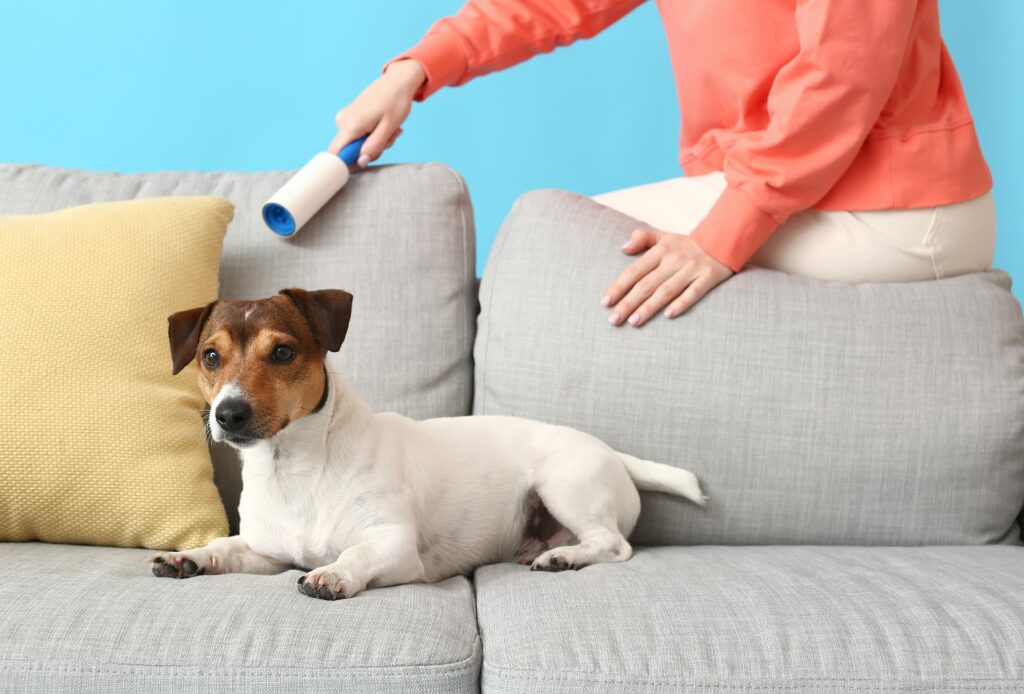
(674, 272)
(379, 111)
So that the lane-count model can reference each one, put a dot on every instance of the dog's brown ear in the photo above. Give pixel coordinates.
(327, 311)
(183, 329)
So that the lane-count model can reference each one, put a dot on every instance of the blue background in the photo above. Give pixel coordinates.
(135, 86)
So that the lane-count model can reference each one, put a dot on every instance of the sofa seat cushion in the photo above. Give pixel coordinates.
(91, 619)
(753, 619)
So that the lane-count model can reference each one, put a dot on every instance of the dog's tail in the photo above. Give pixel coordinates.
(656, 477)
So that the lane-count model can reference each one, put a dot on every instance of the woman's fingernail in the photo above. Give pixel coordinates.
(669, 313)
(606, 300)
(363, 161)
(614, 319)
(634, 319)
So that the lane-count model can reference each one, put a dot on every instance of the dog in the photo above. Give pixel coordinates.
(360, 500)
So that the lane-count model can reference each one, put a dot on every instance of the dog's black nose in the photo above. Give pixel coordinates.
(233, 415)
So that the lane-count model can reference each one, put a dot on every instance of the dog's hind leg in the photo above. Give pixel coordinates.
(224, 555)
(601, 546)
(585, 488)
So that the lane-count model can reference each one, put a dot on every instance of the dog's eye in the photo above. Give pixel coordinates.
(282, 353)
(211, 359)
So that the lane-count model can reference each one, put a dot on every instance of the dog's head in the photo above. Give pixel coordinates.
(261, 363)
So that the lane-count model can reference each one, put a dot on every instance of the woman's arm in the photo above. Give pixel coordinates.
(823, 104)
(484, 36)
(490, 35)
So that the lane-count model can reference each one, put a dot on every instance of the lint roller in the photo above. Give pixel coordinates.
(309, 189)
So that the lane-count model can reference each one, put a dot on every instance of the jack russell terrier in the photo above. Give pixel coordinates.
(369, 500)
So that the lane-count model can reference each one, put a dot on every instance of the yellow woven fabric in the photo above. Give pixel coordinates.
(99, 444)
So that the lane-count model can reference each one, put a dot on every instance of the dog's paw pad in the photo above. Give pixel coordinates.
(175, 566)
(554, 563)
(321, 586)
(164, 569)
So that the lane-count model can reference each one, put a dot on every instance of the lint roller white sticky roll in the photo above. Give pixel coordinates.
(309, 189)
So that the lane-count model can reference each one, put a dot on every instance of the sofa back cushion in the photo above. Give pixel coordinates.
(813, 412)
(400, 238)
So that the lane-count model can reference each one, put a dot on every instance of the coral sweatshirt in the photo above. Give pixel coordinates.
(830, 104)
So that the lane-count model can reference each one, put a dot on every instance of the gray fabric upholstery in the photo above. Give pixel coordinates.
(400, 238)
(91, 619)
(760, 619)
(813, 412)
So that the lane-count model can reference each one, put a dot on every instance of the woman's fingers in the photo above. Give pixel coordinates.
(670, 289)
(366, 154)
(641, 240)
(675, 272)
(394, 136)
(343, 138)
(629, 277)
(378, 140)
(339, 141)
(352, 124)
(692, 294)
(641, 291)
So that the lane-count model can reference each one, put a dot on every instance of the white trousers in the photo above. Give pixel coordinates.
(873, 246)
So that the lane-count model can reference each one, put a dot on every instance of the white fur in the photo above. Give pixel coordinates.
(369, 499)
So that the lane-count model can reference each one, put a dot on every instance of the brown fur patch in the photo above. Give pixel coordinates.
(245, 335)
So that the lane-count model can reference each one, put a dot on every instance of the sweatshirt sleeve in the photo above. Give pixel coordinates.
(489, 35)
(822, 105)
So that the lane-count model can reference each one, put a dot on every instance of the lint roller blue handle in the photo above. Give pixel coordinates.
(350, 152)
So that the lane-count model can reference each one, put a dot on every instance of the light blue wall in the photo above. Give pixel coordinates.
(133, 86)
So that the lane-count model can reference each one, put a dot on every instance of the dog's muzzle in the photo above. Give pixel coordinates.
(234, 417)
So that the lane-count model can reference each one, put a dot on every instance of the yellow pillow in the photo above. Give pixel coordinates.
(99, 444)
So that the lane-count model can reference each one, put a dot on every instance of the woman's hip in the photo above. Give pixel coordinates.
(848, 246)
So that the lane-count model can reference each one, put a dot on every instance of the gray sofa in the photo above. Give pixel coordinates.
(862, 447)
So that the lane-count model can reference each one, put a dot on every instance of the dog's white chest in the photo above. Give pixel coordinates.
(286, 544)
(282, 510)
(275, 532)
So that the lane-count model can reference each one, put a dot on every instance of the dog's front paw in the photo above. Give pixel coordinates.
(176, 565)
(326, 584)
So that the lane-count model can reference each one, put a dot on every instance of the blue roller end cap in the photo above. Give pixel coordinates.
(350, 152)
(278, 219)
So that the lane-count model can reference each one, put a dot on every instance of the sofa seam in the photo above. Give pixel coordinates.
(758, 683)
(468, 271)
(493, 258)
(441, 672)
(445, 670)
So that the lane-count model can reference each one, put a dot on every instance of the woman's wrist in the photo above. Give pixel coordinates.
(407, 74)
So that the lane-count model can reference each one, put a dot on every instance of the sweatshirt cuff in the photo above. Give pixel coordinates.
(734, 229)
(442, 59)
